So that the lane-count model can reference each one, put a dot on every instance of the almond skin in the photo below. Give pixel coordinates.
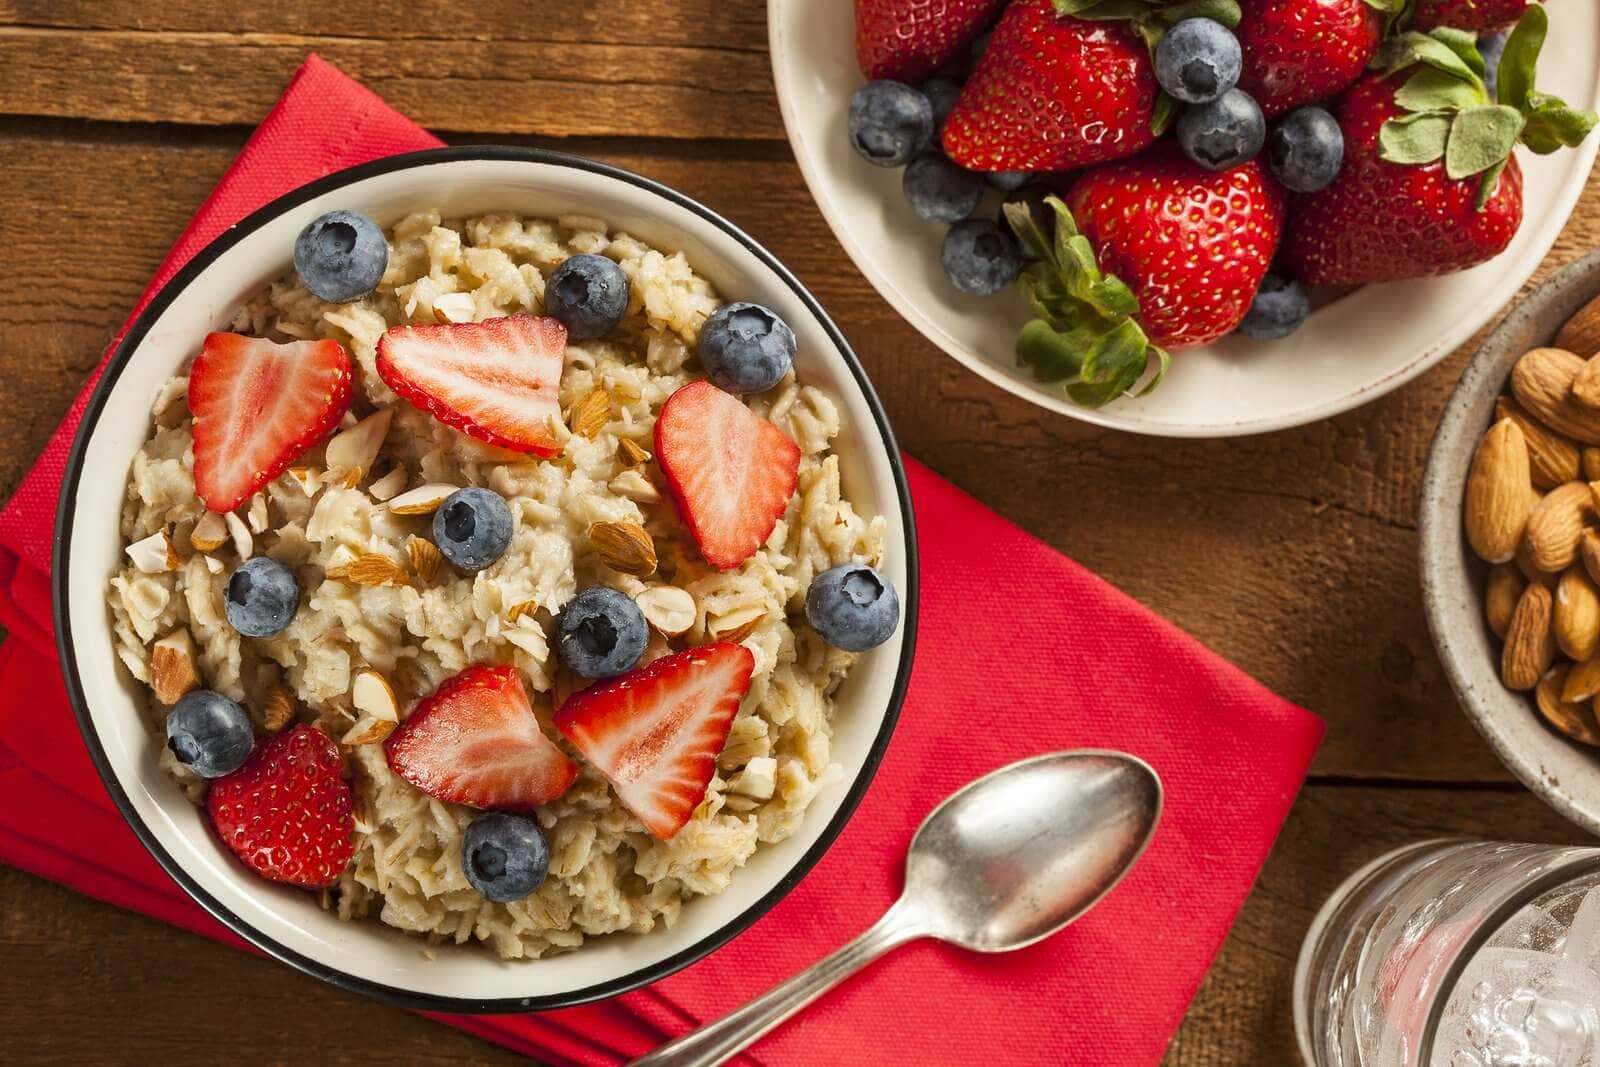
(1583, 681)
(1499, 493)
(1542, 383)
(1577, 615)
(1529, 644)
(1581, 334)
(1506, 584)
(1553, 459)
(1556, 525)
(1572, 718)
(625, 547)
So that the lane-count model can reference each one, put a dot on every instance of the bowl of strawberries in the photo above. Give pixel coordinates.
(1193, 218)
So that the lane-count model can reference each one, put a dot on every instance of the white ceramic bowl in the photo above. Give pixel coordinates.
(1350, 352)
(368, 956)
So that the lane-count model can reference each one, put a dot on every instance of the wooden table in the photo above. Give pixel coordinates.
(1292, 555)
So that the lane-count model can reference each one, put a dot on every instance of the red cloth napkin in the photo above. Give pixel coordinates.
(1020, 652)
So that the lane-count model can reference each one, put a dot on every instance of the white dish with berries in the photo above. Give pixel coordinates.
(543, 630)
(1355, 346)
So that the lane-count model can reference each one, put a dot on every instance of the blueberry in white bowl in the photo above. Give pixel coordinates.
(602, 633)
(1198, 60)
(890, 123)
(261, 597)
(940, 191)
(746, 348)
(1225, 132)
(472, 528)
(209, 734)
(980, 258)
(588, 294)
(504, 856)
(341, 256)
(853, 607)
(1306, 150)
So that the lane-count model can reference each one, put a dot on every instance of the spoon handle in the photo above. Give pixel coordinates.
(717, 1042)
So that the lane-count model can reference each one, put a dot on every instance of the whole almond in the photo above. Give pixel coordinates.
(591, 413)
(1531, 572)
(625, 547)
(1572, 718)
(277, 709)
(209, 534)
(1542, 383)
(1583, 681)
(1577, 615)
(370, 568)
(1529, 644)
(172, 667)
(1586, 386)
(1556, 525)
(1581, 334)
(1553, 459)
(1500, 598)
(425, 557)
(630, 454)
(1499, 490)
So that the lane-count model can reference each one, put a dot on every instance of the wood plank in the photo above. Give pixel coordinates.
(70, 959)
(565, 77)
(1292, 554)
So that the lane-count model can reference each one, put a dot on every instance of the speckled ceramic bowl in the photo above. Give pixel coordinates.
(1565, 774)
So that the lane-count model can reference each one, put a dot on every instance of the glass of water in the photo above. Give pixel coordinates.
(1456, 954)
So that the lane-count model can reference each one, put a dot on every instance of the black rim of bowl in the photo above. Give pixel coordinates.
(63, 621)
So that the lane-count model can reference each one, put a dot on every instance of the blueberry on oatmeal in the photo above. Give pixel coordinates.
(504, 856)
(602, 633)
(472, 528)
(588, 294)
(341, 256)
(745, 348)
(853, 607)
(209, 734)
(261, 597)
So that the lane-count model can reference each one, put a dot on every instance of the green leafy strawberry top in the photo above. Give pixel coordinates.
(1084, 326)
(1449, 115)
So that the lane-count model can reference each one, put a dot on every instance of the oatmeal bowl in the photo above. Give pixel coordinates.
(485, 579)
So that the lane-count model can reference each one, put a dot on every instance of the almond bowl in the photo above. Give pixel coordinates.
(1564, 773)
(367, 956)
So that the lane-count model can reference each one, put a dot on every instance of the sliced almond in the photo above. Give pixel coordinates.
(1542, 382)
(423, 500)
(736, 625)
(425, 558)
(213, 564)
(340, 558)
(521, 608)
(309, 479)
(356, 449)
(634, 485)
(373, 696)
(630, 454)
(387, 487)
(669, 609)
(625, 547)
(172, 667)
(1500, 598)
(209, 534)
(591, 413)
(1529, 644)
(154, 554)
(243, 543)
(1574, 719)
(277, 709)
(1498, 500)
(256, 514)
(370, 568)
(1553, 459)
(758, 779)
(454, 307)
(367, 731)
(1556, 524)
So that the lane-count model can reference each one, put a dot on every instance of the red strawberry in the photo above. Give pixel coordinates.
(257, 407)
(476, 741)
(730, 471)
(656, 733)
(1054, 93)
(287, 812)
(1298, 51)
(907, 40)
(1429, 189)
(1467, 14)
(495, 380)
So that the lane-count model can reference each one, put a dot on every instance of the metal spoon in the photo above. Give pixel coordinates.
(1005, 861)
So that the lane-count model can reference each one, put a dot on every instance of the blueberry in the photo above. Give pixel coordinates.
(602, 633)
(1224, 133)
(588, 294)
(1491, 46)
(1008, 180)
(942, 94)
(745, 348)
(1198, 60)
(341, 256)
(980, 258)
(1306, 150)
(505, 857)
(472, 528)
(210, 734)
(853, 607)
(1280, 306)
(890, 123)
(940, 191)
(1033, 195)
(261, 598)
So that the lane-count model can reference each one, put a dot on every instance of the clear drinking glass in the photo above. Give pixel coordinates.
(1456, 954)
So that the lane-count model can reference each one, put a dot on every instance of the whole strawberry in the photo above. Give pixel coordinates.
(287, 812)
(1429, 184)
(1475, 15)
(1156, 252)
(1299, 51)
(907, 40)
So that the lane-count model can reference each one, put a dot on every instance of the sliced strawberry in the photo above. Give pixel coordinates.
(495, 380)
(287, 813)
(257, 407)
(476, 741)
(656, 733)
(731, 471)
